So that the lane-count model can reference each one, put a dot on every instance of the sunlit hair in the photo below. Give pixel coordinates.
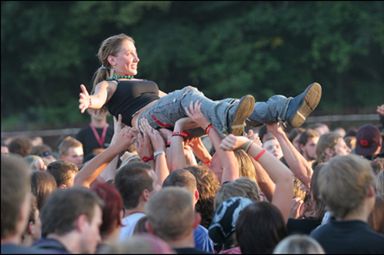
(328, 140)
(246, 167)
(110, 46)
(343, 184)
(298, 244)
(113, 206)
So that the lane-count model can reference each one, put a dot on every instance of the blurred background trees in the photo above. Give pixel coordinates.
(226, 49)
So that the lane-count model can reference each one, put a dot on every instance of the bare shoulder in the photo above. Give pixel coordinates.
(109, 86)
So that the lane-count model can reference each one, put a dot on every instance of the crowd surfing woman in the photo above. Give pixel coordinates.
(116, 89)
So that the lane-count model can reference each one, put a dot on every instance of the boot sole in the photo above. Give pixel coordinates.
(243, 111)
(310, 102)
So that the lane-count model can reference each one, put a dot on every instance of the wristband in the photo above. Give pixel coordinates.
(146, 159)
(157, 153)
(183, 134)
(260, 154)
(207, 129)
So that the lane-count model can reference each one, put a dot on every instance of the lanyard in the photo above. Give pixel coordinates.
(99, 140)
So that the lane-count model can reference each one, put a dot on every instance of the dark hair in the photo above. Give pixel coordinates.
(61, 171)
(259, 228)
(41, 150)
(15, 186)
(207, 185)
(181, 178)
(64, 206)
(140, 226)
(21, 146)
(131, 180)
(113, 205)
(42, 184)
(307, 134)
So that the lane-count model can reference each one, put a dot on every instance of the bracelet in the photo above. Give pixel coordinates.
(183, 134)
(146, 159)
(207, 129)
(246, 146)
(157, 153)
(260, 154)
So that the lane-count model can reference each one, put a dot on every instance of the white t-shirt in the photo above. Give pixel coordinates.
(129, 224)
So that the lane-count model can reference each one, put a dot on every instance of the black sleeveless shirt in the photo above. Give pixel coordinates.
(130, 96)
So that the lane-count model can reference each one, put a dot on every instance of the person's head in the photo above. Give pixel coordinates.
(15, 197)
(21, 146)
(259, 228)
(98, 116)
(376, 218)
(140, 244)
(368, 141)
(321, 128)
(272, 145)
(294, 136)
(222, 229)
(171, 215)
(117, 54)
(241, 187)
(33, 230)
(341, 131)
(36, 140)
(36, 163)
(207, 185)
(307, 143)
(45, 152)
(112, 210)
(71, 150)
(42, 185)
(134, 183)
(346, 186)
(298, 244)
(184, 179)
(64, 173)
(76, 212)
(330, 145)
(377, 165)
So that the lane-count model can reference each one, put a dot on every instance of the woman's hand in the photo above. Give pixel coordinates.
(84, 99)
(117, 126)
(156, 139)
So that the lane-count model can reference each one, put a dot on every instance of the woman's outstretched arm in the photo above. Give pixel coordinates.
(97, 100)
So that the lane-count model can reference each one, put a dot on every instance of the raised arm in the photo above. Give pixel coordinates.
(296, 162)
(278, 172)
(103, 91)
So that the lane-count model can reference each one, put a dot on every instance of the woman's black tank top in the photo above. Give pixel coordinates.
(130, 96)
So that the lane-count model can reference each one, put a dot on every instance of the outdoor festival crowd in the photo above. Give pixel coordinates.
(188, 175)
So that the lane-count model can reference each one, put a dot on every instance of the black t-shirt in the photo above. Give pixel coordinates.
(130, 96)
(189, 251)
(302, 226)
(349, 237)
(89, 141)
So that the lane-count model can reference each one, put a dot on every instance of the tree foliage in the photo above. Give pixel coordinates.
(226, 49)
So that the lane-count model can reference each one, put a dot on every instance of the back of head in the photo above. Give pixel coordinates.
(113, 205)
(327, 140)
(131, 180)
(368, 141)
(241, 187)
(181, 178)
(343, 184)
(64, 206)
(170, 213)
(15, 187)
(223, 224)
(140, 244)
(246, 167)
(63, 172)
(259, 228)
(42, 184)
(20, 145)
(298, 244)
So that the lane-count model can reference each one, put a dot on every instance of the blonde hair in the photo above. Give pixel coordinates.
(246, 167)
(343, 184)
(68, 142)
(110, 46)
(298, 244)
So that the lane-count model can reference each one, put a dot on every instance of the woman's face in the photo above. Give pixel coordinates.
(126, 60)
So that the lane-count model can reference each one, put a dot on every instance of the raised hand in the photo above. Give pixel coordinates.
(157, 140)
(117, 126)
(84, 99)
(194, 112)
(231, 142)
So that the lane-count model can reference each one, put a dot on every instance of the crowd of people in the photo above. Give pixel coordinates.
(180, 173)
